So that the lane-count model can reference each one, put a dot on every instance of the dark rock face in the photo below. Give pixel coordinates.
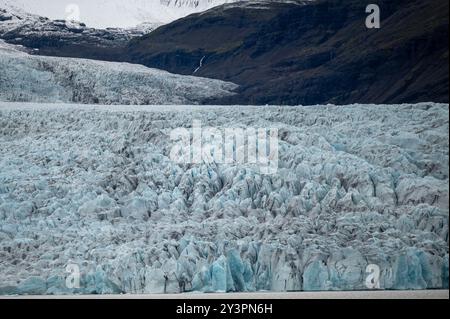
(319, 52)
(61, 38)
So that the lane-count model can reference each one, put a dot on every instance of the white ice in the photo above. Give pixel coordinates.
(114, 13)
(30, 78)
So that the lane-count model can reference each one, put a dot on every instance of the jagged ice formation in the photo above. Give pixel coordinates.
(356, 185)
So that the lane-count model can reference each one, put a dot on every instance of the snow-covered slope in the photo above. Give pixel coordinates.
(115, 13)
(24, 77)
(95, 188)
(65, 38)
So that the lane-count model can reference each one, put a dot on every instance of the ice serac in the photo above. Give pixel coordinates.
(356, 185)
(29, 78)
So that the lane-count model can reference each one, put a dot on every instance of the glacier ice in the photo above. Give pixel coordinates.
(30, 78)
(94, 186)
(119, 13)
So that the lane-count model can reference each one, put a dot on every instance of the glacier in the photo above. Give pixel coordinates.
(29, 78)
(116, 13)
(94, 186)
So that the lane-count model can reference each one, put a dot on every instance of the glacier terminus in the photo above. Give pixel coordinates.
(93, 187)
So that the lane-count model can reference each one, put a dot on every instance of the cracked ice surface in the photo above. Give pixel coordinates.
(93, 186)
(41, 79)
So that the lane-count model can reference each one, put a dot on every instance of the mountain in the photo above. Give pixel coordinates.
(309, 52)
(26, 23)
(63, 38)
(278, 52)
(27, 78)
(116, 13)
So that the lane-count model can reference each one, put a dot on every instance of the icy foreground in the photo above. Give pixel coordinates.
(94, 187)
(28, 78)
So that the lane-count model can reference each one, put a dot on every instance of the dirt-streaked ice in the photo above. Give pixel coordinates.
(356, 185)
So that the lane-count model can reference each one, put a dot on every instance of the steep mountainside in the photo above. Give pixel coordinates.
(279, 52)
(62, 38)
(310, 52)
(116, 13)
